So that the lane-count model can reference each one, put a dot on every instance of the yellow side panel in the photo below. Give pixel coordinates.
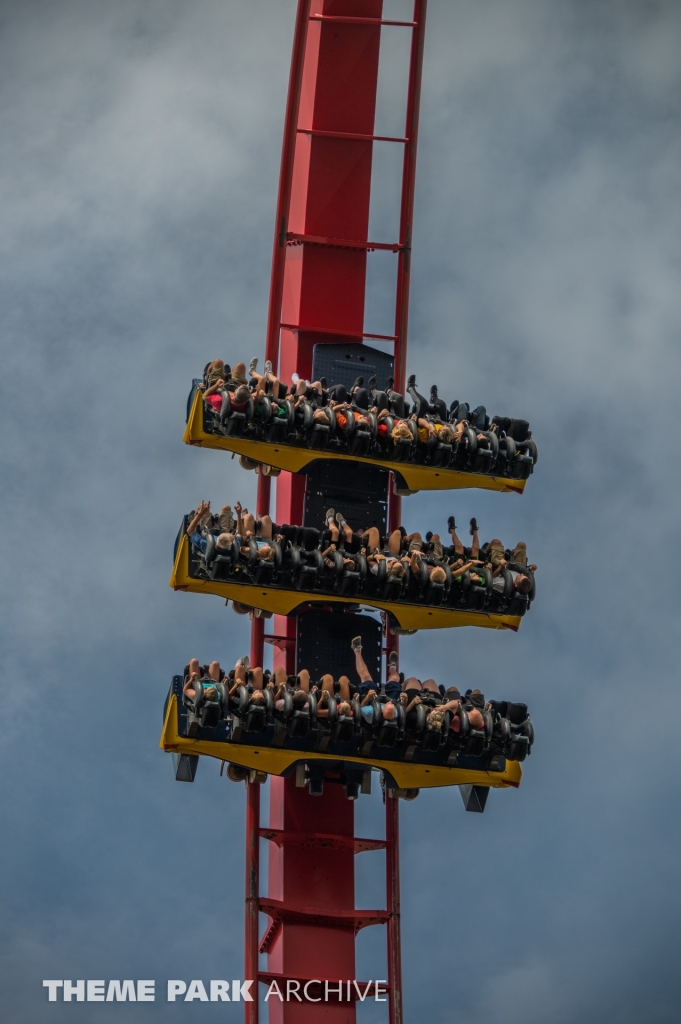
(284, 602)
(275, 761)
(296, 460)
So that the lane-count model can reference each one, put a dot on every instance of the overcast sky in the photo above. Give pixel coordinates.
(140, 148)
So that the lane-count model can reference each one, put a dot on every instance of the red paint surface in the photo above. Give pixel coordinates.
(319, 290)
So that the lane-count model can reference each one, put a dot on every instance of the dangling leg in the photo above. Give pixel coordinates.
(395, 543)
(475, 548)
(458, 546)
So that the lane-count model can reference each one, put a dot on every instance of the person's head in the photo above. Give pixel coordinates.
(389, 712)
(522, 584)
(266, 554)
(210, 693)
(321, 416)
(446, 435)
(400, 430)
(241, 609)
(257, 697)
(345, 709)
(300, 699)
(224, 541)
(242, 393)
(438, 575)
(435, 720)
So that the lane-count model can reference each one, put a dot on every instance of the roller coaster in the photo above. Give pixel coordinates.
(336, 424)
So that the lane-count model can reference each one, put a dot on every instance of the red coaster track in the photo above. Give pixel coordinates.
(319, 274)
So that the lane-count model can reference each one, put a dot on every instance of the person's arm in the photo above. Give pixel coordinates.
(204, 507)
(239, 522)
(213, 388)
(189, 688)
(369, 697)
(499, 569)
(464, 568)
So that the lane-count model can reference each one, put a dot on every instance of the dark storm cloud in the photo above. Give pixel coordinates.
(140, 157)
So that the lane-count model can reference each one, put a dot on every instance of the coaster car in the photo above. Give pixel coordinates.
(275, 741)
(270, 432)
(294, 578)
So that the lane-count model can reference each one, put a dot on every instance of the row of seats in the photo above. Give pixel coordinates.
(294, 568)
(487, 451)
(507, 731)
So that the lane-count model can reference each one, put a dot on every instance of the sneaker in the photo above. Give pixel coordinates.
(324, 383)
(393, 659)
(268, 366)
(372, 384)
(411, 383)
(340, 518)
(474, 526)
(389, 383)
(451, 523)
(244, 662)
(356, 643)
(252, 366)
(330, 514)
(295, 378)
(359, 383)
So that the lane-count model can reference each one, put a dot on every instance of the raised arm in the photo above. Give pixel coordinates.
(204, 507)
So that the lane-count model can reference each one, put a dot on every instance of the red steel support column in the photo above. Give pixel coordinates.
(253, 809)
(392, 878)
(317, 296)
(286, 182)
(252, 895)
(408, 186)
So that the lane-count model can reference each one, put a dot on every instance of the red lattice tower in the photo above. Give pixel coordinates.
(319, 275)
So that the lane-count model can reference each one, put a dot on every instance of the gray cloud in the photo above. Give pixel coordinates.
(137, 189)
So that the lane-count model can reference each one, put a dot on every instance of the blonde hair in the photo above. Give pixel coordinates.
(401, 430)
(445, 434)
(344, 709)
(396, 569)
(435, 720)
(266, 554)
(438, 575)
